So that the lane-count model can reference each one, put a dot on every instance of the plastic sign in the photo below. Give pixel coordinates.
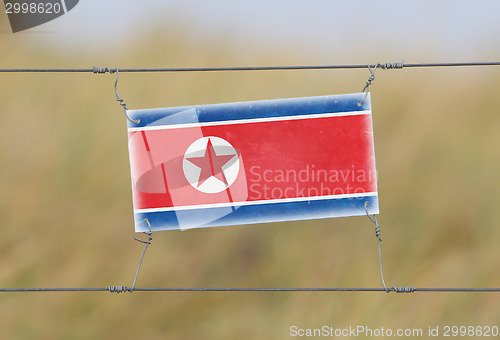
(252, 162)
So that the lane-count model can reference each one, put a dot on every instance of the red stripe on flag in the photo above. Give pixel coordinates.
(164, 176)
(145, 140)
(278, 159)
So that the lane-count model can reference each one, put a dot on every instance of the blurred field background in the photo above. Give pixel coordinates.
(66, 210)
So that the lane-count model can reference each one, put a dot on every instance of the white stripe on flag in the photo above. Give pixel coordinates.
(231, 204)
(251, 120)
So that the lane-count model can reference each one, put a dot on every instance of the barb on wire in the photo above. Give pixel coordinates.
(392, 66)
(118, 289)
(103, 70)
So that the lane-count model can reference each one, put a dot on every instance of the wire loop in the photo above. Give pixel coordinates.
(368, 83)
(102, 70)
(377, 234)
(120, 100)
(385, 66)
(147, 243)
(373, 218)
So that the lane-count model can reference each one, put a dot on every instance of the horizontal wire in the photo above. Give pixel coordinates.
(125, 289)
(244, 68)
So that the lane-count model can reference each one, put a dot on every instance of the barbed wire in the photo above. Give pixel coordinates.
(398, 65)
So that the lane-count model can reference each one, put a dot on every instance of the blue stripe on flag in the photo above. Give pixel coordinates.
(249, 110)
(262, 213)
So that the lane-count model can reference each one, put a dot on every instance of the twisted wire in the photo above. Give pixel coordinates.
(368, 83)
(102, 70)
(377, 234)
(404, 289)
(373, 218)
(147, 243)
(118, 98)
(118, 289)
(392, 66)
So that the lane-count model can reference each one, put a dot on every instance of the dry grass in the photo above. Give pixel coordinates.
(66, 217)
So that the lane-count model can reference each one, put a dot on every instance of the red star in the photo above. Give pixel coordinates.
(211, 164)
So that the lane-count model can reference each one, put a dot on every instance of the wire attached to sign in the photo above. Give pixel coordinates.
(147, 243)
(385, 66)
(123, 289)
(373, 218)
(377, 235)
(368, 83)
(118, 98)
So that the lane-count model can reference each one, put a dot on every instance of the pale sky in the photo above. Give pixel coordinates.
(455, 30)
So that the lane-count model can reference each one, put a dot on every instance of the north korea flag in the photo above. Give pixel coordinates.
(252, 162)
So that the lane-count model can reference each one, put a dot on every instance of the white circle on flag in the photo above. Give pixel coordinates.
(211, 164)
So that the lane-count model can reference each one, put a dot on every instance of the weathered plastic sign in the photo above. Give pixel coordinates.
(252, 162)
